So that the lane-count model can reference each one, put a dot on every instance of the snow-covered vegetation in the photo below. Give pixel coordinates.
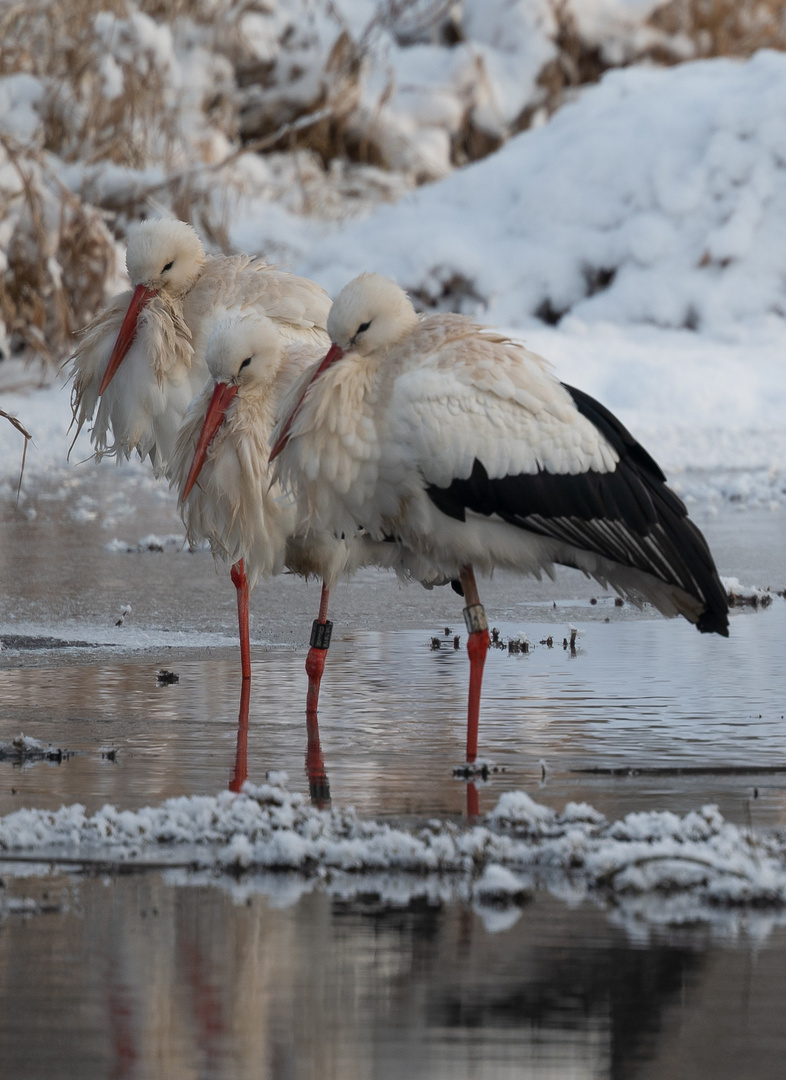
(269, 123)
(658, 197)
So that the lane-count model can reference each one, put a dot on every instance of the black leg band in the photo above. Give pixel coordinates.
(320, 634)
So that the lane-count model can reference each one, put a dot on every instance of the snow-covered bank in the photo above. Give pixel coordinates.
(659, 196)
(318, 108)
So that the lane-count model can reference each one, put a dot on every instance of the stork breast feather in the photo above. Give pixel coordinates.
(223, 469)
(90, 357)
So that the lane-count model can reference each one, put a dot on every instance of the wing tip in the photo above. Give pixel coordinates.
(713, 622)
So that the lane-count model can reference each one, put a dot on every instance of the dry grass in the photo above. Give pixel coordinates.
(59, 256)
(339, 135)
(60, 251)
(27, 437)
(80, 123)
(724, 27)
(682, 29)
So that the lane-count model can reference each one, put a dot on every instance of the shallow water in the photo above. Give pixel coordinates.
(642, 696)
(141, 976)
(170, 974)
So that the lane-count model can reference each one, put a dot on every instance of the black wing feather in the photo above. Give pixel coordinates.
(629, 515)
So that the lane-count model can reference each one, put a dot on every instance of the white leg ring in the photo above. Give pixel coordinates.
(475, 618)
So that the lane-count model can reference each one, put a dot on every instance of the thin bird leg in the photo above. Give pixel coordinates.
(477, 647)
(239, 580)
(321, 629)
(240, 773)
(318, 784)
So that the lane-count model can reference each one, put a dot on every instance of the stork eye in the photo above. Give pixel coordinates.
(363, 327)
(168, 266)
(245, 363)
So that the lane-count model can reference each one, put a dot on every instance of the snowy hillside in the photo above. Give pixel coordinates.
(658, 197)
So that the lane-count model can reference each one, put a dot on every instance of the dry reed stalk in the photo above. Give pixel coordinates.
(27, 436)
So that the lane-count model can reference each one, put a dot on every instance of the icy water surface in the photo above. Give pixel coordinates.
(172, 974)
(693, 719)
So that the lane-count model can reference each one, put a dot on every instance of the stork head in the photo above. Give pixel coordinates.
(241, 352)
(163, 256)
(370, 313)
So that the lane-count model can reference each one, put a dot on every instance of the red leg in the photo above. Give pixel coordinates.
(239, 580)
(240, 774)
(477, 647)
(473, 801)
(315, 661)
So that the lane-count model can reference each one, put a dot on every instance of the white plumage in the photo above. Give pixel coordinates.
(232, 504)
(140, 362)
(463, 446)
(220, 468)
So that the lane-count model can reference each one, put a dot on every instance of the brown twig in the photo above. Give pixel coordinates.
(23, 431)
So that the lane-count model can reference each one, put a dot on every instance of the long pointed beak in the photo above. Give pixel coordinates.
(335, 353)
(223, 396)
(142, 296)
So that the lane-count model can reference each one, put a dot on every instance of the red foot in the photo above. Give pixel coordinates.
(477, 648)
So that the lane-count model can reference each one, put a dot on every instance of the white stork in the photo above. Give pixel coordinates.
(141, 360)
(220, 469)
(463, 446)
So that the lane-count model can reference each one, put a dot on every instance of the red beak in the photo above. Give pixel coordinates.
(142, 296)
(335, 353)
(222, 398)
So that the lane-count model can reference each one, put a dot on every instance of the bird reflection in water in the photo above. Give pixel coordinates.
(240, 771)
(318, 783)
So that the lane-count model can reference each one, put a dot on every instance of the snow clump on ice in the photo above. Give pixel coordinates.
(521, 845)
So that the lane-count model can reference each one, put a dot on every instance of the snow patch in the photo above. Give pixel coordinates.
(697, 863)
(657, 197)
